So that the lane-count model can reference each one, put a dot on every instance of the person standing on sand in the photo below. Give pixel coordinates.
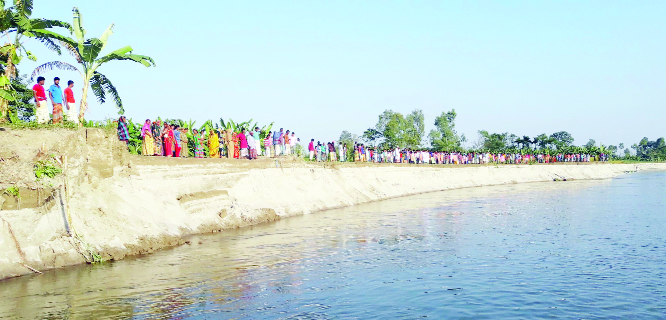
(213, 144)
(41, 110)
(267, 144)
(220, 138)
(184, 148)
(286, 147)
(167, 135)
(72, 113)
(148, 145)
(123, 133)
(176, 136)
(331, 151)
(55, 93)
(243, 144)
(157, 135)
(228, 138)
(198, 144)
(277, 138)
(256, 134)
(292, 142)
(311, 149)
(251, 144)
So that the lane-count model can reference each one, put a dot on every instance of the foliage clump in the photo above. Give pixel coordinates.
(46, 168)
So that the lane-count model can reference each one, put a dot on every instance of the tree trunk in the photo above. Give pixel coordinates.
(4, 103)
(84, 99)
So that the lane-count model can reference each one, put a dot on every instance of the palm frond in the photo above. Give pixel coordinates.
(49, 66)
(72, 50)
(101, 85)
(41, 34)
(98, 90)
(77, 28)
(125, 54)
(91, 49)
(48, 23)
(51, 45)
(105, 36)
(24, 7)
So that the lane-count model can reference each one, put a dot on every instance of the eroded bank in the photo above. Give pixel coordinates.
(107, 204)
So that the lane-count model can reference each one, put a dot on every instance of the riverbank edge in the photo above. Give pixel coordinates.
(114, 205)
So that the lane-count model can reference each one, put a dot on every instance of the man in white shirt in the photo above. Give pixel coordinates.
(292, 142)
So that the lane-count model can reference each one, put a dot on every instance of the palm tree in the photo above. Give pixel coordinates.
(16, 24)
(86, 52)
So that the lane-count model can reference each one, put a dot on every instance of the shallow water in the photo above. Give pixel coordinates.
(576, 249)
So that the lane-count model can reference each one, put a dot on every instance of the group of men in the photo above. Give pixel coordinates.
(284, 143)
(58, 98)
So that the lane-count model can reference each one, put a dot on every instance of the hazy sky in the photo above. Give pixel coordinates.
(593, 68)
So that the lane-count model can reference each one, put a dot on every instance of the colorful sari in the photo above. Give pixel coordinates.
(169, 142)
(214, 145)
(236, 147)
(157, 135)
(148, 147)
(198, 146)
(123, 133)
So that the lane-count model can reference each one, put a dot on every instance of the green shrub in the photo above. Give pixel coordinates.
(46, 168)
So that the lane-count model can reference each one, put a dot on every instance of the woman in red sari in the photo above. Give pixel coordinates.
(236, 147)
(169, 140)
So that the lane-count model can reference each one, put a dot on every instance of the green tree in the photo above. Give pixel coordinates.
(371, 136)
(16, 23)
(348, 137)
(444, 137)
(396, 131)
(414, 129)
(542, 142)
(86, 52)
(590, 144)
(493, 142)
(524, 142)
(562, 139)
(22, 106)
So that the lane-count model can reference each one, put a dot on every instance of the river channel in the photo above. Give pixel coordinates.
(574, 249)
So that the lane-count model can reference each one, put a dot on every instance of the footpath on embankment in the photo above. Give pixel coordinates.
(107, 204)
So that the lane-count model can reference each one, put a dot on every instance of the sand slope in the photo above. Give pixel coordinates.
(122, 205)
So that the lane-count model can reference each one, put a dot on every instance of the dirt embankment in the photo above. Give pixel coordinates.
(107, 204)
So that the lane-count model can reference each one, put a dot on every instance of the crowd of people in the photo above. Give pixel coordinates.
(170, 140)
(331, 152)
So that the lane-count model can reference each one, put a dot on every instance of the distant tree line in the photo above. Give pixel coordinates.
(395, 130)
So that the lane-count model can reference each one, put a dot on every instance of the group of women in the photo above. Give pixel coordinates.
(169, 140)
(164, 139)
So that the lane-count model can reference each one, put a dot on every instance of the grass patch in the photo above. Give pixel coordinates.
(13, 191)
(46, 169)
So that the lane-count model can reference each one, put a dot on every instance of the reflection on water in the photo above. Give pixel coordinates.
(577, 249)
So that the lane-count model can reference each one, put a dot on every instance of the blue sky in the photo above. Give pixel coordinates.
(593, 68)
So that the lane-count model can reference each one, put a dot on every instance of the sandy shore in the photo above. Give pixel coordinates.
(119, 205)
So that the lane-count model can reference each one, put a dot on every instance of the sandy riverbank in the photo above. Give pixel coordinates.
(118, 205)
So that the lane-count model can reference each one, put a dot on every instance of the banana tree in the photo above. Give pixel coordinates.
(264, 131)
(16, 24)
(87, 54)
(229, 125)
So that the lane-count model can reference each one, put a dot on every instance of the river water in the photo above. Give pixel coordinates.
(575, 249)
